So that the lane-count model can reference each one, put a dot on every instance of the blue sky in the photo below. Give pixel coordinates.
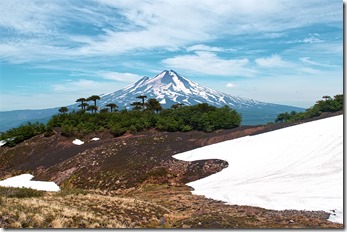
(280, 51)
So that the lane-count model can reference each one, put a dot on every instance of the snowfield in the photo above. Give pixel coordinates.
(299, 167)
(25, 181)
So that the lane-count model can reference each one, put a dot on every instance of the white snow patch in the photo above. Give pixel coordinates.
(180, 85)
(163, 101)
(77, 142)
(95, 139)
(2, 143)
(24, 180)
(197, 101)
(336, 216)
(299, 167)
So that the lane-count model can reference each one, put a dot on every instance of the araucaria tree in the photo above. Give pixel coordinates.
(112, 106)
(83, 105)
(143, 100)
(63, 110)
(326, 97)
(93, 98)
(137, 105)
(92, 108)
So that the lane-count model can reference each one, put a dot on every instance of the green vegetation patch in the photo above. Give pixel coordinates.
(144, 116)
(20, 192)
(19, 134)
(328, 104)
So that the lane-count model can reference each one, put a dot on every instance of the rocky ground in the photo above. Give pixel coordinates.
(136, 168)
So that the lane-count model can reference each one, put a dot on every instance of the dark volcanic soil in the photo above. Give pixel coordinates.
(113, 163)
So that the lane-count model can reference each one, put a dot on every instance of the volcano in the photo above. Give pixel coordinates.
(170, 88)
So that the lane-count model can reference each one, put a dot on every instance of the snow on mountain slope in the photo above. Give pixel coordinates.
(299, 167)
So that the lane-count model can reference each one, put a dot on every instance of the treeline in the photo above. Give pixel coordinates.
(328, 104)
(202, 117)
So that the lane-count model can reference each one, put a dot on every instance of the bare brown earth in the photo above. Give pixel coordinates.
(140, 166)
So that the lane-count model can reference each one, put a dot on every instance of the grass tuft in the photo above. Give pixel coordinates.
(19, 192)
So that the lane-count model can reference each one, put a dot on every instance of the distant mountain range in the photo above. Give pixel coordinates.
(168, 88)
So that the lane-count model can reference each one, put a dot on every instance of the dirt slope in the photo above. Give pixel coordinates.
(141, 166)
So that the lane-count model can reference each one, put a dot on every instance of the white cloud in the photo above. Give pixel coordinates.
(23, 51)
(276, 61)
(209, 63)
(129, 26)
(27, 16)
(70, 86)
(313, 38)
(117, 76)
(231, 85)
(274, 35)
(170, 24)
(272, 61)
(202, 47)
(83, 87)
(309, 61)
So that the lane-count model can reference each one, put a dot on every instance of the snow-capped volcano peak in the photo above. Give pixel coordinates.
(170, 80)
(169, 88)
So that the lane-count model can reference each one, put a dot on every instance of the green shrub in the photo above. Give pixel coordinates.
(20, 192)
(199, 117)
(117, 130)
(68, 130)
(19, 134)
(168, 124)
(186, 128)
(133, 129)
